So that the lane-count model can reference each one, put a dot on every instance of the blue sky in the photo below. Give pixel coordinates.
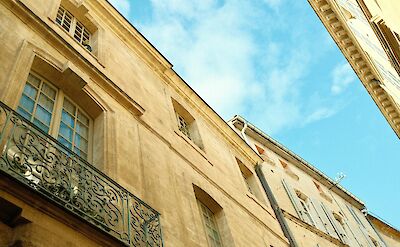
(273, 62)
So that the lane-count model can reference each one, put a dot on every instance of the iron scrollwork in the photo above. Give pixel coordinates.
(40, 162)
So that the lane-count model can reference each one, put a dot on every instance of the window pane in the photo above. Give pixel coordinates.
(81, 143)
(27, 103)
(34, 80)
(69, 107)
(65, 142)
(46, 103)
(83, 118)
(43, 115)
(68, 119)
(82, 130)
(66, 132)
(30, 91)
(49, 91)
(41, 125)
(24, 113)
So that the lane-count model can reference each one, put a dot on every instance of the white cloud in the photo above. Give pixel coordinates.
(226, 51)
(342, 77)
(123, 6)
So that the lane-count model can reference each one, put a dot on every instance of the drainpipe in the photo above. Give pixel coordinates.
(278, 212)
(244, 134)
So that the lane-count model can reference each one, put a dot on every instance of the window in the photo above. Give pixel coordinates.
(187, 124)
(39, 104)
(300, 203)
(74, 27)
(210, 226)
(251, 181)
(305, 206)
(183, 126)
(214, 222)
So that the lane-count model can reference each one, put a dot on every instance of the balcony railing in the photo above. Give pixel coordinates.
(40, 162)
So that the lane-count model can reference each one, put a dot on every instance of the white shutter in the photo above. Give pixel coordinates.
(338, 229)
(353, 241)
(295, 200)
(361, 227)
(318, 220)
(324, 218)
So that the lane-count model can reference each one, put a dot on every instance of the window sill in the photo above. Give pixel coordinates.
(191, 143)
(59, 29)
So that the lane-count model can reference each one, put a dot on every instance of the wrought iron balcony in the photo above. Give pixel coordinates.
(40, 162)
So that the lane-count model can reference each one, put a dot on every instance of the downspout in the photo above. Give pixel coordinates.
(274, 204)
(278, 212)
(244, 134)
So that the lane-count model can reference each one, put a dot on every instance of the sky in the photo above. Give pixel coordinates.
(273, 62)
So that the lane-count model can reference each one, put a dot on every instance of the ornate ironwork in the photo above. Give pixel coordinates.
(42, 163)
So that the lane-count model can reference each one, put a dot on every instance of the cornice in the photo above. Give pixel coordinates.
(334, 22)
(130, 35)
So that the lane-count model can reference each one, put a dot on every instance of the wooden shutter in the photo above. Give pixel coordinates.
(324, 218)
(338, 229)
(295, 200)
(318, 220)
(353, 240)
(361, 226)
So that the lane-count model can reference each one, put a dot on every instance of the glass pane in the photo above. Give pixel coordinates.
(64, 142)
(69, 107)
(30, 90)
(49, 91)
(43, 115)
(82, 130)
(46, 103)
(34, 80)
(81, 143)
(66, 132)
(24, 113)
(41, 126)
(27, 103)
(80, 153)
(83, 118)
(68, 119)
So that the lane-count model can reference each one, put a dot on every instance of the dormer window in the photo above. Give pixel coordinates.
(74, 27)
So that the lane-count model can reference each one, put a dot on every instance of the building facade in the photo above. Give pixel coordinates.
(366, 32)
(93, 118)
(103, 144)
(316, 210)
(389, 234)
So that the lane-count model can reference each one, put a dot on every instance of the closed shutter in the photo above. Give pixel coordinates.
(338, 229)
(295, 201)
(353, 239)
(361, 226)
(324, 218)
(318, 220)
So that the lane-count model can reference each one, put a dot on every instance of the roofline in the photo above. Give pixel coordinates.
(302, 164)
(373, 216)
(328, 13)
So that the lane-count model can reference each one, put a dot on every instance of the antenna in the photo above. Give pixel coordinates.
(339, 177)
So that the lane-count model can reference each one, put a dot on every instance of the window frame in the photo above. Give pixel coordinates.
(56, 116)
(206, 228)
(72, 30)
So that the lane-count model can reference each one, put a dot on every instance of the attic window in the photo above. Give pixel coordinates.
(74, 27)
(186, 124)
